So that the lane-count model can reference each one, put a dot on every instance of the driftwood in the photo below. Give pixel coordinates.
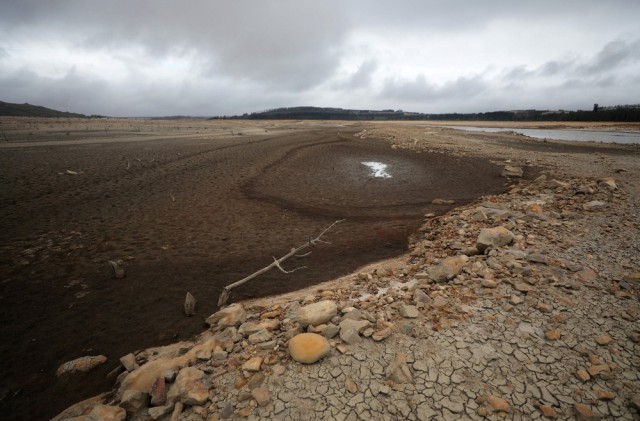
(224, 296)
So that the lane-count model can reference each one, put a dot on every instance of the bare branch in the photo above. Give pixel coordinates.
(275, 261)
(303, 255)
(224, 296)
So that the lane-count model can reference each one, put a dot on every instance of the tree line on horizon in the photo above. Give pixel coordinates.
(618, 113)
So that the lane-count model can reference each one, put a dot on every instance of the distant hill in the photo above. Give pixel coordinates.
(615, 113)
(28, 110)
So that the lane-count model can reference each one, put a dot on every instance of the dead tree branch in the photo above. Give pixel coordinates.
(224, 296)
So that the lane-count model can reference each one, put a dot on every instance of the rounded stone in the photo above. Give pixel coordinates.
(308, 348)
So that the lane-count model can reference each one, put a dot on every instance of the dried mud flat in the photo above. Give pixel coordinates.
(187, 206)
(542, 325)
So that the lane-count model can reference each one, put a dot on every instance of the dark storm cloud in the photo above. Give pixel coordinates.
(247, 40)
(204, 57)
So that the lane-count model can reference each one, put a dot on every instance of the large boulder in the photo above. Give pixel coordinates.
(143, 378)
(317, 313)
(189, 387)
(308, 348)
(493, 238)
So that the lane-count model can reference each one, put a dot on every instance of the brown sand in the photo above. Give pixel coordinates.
(188, 206)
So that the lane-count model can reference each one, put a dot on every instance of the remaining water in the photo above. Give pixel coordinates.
(562, 134)
(378, 169)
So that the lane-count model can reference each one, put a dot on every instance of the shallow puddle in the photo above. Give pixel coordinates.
(378, 169)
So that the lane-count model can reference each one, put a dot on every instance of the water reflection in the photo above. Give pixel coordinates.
(379, 170)
(562, 134)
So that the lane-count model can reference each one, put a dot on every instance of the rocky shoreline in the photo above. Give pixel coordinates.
(518, 306)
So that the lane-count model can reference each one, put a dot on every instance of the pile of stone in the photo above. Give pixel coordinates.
(496, 312)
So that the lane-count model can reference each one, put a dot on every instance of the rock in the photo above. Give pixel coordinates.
(249, 328)
(317, 313)
(558, 184)
(158, 412)
(488, 283)
(330, 331)
(382, 334)
(398, 371)
(189, 305)
(553, 335)
(252, 364)
(350, 330)
(79, 409)
(233, 315)
(134, 400)
(256, 380)
(587, 275)
(497, 404)
(129, 362)
(81, 365)
(278, 369)
(350, 385)
(408, 311)
(308, 348)
(442, 202)
(511, 171)
(493, 238)
(598, 369)
(261, 395)
(106, 413)
(604, 340)
(608, 183)
(522, 287)
(219, 354)
(227, 411)
(584, 413)
(515, 300)
(189, 387)
(447, 269)
(594, 205)
(158, 392)
(177, 410)
(605, 395)
(479, 215)
(544, 308)
(538, 258)
(118, 270)
(261, 336)
(419, 296)
(440, 302)
(583, 375)
(548, 411)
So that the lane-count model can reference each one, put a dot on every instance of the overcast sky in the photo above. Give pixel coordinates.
(205, 57)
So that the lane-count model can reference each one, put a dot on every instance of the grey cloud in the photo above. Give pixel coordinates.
(243, 56)
(613, 55)
(361, 78)
(422, 90)
(249, 41)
